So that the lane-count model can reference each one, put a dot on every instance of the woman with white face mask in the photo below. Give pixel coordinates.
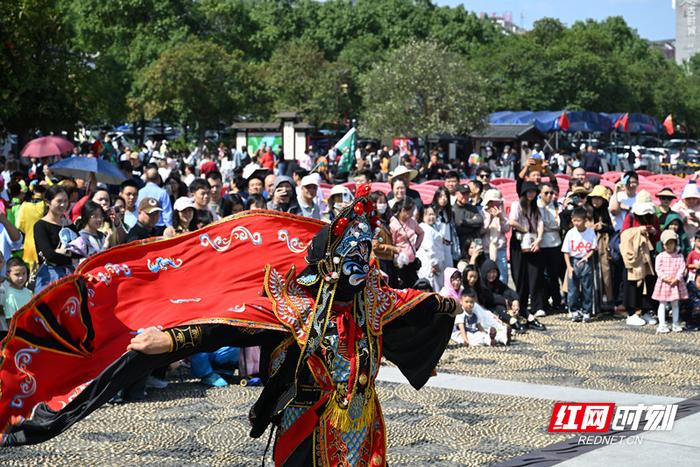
(339, 197)
(382, 245)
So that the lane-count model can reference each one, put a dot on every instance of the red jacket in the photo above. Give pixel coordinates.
(268, 160)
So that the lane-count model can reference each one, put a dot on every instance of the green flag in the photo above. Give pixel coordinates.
(346, 146)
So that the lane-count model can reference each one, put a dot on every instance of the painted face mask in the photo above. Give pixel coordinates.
(356, 264)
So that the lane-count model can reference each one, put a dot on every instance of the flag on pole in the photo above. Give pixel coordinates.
(668, 124)
(623, 122)
(564, 122)
(346, 146)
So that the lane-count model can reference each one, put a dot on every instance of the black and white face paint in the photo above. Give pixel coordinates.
(356, 264)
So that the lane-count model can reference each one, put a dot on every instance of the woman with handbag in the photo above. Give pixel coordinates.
(408, 236)
(382, 243)
(52, 234)
(526, 259)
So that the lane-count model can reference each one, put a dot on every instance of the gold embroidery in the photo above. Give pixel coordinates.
(184, 337)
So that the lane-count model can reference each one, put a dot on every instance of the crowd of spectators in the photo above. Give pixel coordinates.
(579, 249)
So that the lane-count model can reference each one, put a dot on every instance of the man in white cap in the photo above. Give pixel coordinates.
(624, 198)
(152, 189)
(307, 199)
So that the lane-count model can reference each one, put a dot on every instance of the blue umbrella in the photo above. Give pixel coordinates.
(82, 167)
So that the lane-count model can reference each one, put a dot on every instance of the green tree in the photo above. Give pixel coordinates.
(122, 37)
(42, 74)
(194, 82)
(299, 78)
(422, 89)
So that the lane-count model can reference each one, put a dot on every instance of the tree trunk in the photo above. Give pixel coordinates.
(142, 133)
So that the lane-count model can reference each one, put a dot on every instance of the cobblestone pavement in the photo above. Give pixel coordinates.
(188, 424)
(604, 354)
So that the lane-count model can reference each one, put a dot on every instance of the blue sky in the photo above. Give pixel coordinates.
(653, 19)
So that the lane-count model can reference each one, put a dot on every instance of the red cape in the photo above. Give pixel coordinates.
(75, 328)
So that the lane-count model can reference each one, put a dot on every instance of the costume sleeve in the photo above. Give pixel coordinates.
(415, 341)
(47, 423)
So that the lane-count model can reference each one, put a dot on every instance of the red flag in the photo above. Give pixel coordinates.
(668, 124)
(623, 122)
(564, 122)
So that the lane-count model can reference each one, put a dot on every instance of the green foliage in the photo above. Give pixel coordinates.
(97, 62)
(423, 89)
(41, 74)
(191, 82)
(600, 66)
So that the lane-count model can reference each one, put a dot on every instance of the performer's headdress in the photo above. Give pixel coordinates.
(353, 228)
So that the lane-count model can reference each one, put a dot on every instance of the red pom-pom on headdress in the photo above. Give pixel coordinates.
(363, 190)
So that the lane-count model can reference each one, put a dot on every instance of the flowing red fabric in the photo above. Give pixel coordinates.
(81, 324)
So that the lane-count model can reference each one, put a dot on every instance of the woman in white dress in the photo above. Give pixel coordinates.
(431, 251)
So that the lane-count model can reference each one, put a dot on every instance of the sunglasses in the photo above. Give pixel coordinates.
(667, 198)
(483, 175)
(547, 192)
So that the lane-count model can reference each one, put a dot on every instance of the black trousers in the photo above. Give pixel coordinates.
(634, 297)
(501, 312)
(531, 282)
(618, 280)
(387, 266)
(553, 264)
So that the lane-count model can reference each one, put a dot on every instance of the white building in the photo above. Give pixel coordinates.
(687, 33)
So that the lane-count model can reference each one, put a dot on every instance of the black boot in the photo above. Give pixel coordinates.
(534, 324)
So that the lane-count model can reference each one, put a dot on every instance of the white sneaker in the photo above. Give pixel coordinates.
(635, 320)
(649, 319)
(662, 329)
(677, 328)
(540, 313)
(153, 382)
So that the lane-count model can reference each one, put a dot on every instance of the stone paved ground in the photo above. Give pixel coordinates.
(188, 424)
(604, 354)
